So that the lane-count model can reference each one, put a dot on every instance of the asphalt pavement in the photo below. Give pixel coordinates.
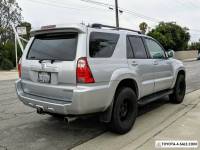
(22, 128)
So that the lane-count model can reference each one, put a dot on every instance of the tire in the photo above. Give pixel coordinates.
(179, 90)
(124, 111)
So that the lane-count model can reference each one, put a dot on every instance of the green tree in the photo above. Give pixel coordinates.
(171, 36)
(10, 12)
(143, 27)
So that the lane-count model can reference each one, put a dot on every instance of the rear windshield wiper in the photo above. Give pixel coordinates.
(55, 60)
(41, 60)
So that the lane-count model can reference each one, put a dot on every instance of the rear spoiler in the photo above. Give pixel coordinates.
(57, 29)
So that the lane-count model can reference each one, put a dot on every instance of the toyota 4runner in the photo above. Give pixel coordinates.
(78, 70)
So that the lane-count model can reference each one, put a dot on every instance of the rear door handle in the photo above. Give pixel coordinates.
(134, 63)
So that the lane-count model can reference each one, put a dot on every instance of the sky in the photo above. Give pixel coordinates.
(47, 12)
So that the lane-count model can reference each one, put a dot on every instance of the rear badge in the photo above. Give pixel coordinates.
(43, 65)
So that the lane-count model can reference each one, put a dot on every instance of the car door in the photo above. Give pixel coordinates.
(162, 66)
(140, 64)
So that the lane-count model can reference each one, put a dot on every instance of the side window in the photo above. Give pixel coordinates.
(138, 47)
(155, 50)
(129, 50)
(102, 45)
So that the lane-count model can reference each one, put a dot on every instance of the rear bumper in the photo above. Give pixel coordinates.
(85, 100)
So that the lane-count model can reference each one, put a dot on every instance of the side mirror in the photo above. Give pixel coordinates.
(170, 53)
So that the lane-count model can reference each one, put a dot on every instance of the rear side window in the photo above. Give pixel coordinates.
(102, 45)
(129, 49)
(138, 47)
(54, 47)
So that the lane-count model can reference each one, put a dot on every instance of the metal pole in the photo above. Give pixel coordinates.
(117, 13)
(23, 39)
(17, 37)
(16, 59)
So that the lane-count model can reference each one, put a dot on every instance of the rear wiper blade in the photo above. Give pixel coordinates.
(55, 60)
(52, 61)
(41, 60)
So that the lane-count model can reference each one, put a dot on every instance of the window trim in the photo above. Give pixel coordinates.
(147, 54)
(148, 38)
(89, 35)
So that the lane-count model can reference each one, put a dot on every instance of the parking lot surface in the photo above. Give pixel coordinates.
(21, 128)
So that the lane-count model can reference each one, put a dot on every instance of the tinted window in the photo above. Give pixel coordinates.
(155, 50)
(138, 47)
(54, 46)
(129, 49)
(102, 44)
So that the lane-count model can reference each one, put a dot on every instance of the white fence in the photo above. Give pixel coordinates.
(182, 55)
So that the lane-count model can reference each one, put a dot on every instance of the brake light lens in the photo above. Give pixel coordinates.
(83, 72)
(19, 69)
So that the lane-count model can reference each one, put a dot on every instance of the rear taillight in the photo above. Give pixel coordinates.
(19, 69)
(83, 72)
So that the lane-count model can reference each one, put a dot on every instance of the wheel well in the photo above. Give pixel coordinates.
(107, 115)
(181, 72)
(128, 83)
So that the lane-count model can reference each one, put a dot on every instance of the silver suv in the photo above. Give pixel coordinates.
(78, 70)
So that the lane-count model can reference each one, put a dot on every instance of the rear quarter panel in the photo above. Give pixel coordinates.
(177, 66)
(110, 71)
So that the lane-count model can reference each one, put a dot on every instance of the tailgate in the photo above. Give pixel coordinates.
(50, 66)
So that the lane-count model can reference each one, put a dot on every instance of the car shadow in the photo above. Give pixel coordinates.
(91, 121)
(54, 132)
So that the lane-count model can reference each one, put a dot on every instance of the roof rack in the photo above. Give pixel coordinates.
(96, 25)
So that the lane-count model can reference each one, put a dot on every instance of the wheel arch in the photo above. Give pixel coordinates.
(181, 71)
(126, 82)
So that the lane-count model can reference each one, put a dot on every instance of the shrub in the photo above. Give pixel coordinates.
(6, 64)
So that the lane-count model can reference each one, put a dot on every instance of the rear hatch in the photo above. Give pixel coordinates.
(49, 68)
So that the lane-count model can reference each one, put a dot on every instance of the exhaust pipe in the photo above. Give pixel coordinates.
(40, 110)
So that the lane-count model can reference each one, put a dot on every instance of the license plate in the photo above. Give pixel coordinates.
(44, 77)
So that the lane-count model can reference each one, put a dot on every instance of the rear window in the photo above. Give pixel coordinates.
(129, 50)
(102, 45)
(54, 47)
